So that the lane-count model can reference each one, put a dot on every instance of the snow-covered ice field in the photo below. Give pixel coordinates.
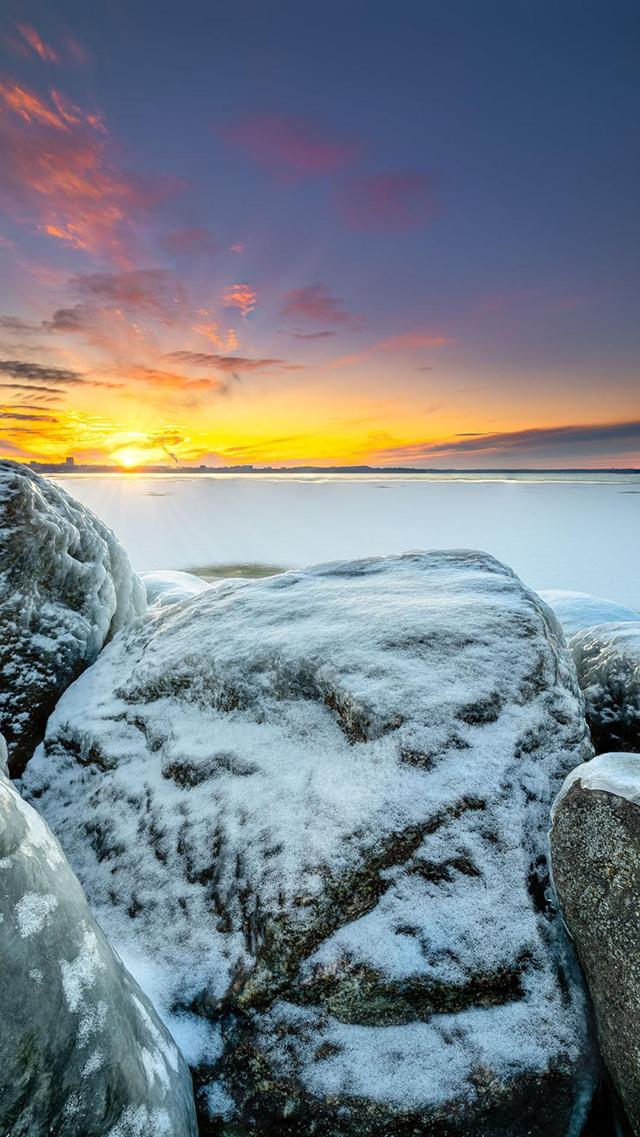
(565, 531)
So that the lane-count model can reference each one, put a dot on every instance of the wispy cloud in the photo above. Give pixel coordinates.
(11, 413)
(626, 434)
(152, 292)
(231, 363)
(19, 326)
(32, 41)
(313, 303)
(391, 202)
(323, 335)
(290, 147)
(35, 372)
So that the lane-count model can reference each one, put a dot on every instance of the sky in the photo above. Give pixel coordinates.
(338, 233)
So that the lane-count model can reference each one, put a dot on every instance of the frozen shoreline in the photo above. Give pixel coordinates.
(558, 531)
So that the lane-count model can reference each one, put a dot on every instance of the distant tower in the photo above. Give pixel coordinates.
(69, 462)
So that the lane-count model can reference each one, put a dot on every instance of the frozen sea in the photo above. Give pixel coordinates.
(557, 530)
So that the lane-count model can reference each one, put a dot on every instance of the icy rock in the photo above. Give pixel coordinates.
(607, 659)
(66, 586)
(312, 810)
(595, 843)
(170, 587)
(83, 1052)
(578, 610)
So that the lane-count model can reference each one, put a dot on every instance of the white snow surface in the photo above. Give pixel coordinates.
(164, 587)
(578, 610)
(236, 762)
(616, 773)
(66, 587)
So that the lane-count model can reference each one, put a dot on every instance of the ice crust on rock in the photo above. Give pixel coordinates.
(82, 1049)
(168, 586)
(607, 659)
(313, 811)
(578, 610)
(66, 587)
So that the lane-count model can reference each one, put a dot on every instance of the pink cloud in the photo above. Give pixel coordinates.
(190, 241)
(389, 202)
(77, 51)
(405, 342)
(290, 147)
(314, 303)
(34, 41)
(242, 297)
(59, 178)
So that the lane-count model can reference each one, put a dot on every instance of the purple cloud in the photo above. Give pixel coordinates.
(313, 303)
(290, 147)
(389, 202)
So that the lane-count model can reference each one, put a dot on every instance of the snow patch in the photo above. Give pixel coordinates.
(617, 774)
(33, 911)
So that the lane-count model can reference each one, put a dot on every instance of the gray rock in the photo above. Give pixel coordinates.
(319, 804)
(83, 1052)
(66, 586)
(595, 844)
(607, 659)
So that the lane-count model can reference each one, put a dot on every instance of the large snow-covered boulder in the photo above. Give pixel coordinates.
(312, 811)
(83, 1052)
(168, 586)
(607, 659)
(578, 610)
(595, 842)
(66, 586)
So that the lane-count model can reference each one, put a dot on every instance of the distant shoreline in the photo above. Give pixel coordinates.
(68, 468)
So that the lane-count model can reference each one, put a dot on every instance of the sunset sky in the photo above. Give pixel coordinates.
(354, 232)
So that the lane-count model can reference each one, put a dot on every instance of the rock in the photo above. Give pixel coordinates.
(83, 1052)
(169, 587)
(607, 659)
(578, 610)
(311, 812)
(66, 586)
(595, 844)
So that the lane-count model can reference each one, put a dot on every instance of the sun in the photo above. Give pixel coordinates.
(129, 457)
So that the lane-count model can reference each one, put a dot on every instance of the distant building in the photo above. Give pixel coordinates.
(69, 462)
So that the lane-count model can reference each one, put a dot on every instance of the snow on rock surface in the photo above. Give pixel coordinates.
(595, 843)
(578, 610)
(66, 586)
(607, 659)
(167, 586)
(83, 1051)
(311, 812)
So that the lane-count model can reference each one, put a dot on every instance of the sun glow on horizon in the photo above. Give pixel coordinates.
(130, 456)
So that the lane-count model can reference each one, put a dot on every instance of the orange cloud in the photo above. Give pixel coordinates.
(29, 107)
(240, 296)
(224, 338)
(172, 381)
